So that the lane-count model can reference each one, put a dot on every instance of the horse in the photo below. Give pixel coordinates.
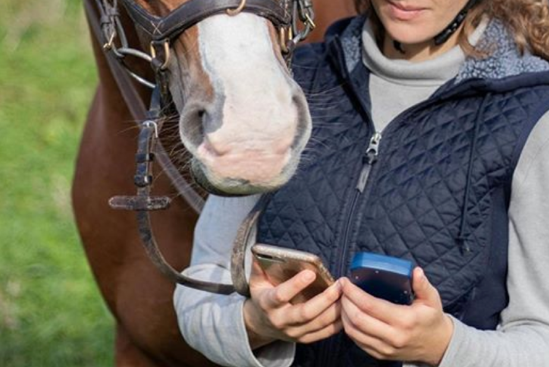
(240, 146)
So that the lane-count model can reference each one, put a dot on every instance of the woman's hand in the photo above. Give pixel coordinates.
(420, 332)
(270, 316)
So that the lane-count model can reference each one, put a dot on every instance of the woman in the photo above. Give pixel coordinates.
(430, 144)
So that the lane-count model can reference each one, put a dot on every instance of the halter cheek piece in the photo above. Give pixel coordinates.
(285, 15)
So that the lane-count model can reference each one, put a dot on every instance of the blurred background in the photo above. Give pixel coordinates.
(51, 313)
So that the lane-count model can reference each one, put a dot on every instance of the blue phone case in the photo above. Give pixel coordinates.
(383, 276)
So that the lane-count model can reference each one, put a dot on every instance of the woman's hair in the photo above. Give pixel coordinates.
(528, 20)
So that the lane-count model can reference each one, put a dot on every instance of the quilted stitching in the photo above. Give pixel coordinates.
(414, 210)
(421, 190)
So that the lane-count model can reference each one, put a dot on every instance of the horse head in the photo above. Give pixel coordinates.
(241, 115)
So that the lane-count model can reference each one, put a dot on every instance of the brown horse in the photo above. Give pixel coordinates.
(138, 296)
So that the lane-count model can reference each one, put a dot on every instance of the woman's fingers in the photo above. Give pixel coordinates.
(282, 294)
(372, 344)
(318, 326)
(323, 333)
(293, 322)
(275, 316)
(358, 324)
(418, 332)
(316, 306)
(329, 316)
(378, 308)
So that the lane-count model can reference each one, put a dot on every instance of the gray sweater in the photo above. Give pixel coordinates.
(213, 324)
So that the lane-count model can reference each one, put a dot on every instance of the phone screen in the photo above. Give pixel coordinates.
(383, 277)
(389, 286)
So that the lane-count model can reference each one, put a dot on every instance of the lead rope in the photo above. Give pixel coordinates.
(245, 237)
(143, 203)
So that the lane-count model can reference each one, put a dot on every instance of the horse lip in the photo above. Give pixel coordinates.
(240, 187)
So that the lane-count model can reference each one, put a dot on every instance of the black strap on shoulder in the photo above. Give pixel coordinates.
(456, 22)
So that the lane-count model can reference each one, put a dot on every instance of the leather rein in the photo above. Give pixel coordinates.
(160, 32)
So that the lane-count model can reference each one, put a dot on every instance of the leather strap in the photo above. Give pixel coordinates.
(135, 104)
(193, 11)
(245, 237)
(143, 203)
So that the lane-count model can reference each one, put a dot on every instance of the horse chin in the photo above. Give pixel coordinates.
(226, 186)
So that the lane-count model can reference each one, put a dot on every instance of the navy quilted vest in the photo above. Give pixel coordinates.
(437, 194)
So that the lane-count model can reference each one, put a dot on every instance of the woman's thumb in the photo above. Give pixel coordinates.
(424, 290)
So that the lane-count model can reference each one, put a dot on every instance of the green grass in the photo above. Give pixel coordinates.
(51, 313)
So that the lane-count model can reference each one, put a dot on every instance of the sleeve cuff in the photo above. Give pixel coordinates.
(214, 325)
(456, 343)
(276, 354)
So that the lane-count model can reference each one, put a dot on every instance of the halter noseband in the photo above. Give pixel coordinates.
(285, 15)
(193, 11)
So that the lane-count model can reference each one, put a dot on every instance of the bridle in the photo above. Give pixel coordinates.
(160, 32)
(294, 20)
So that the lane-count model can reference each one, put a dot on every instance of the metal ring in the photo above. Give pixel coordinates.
(284, 38)
(233, 12)
(141, 80)
(164, 66)
(133, 52)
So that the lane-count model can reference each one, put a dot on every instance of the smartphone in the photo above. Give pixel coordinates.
(280, 264)
(383, 276)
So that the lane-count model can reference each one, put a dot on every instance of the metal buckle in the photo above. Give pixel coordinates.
(167, 54)
(233, 12)
(286, 36)
(153, 124)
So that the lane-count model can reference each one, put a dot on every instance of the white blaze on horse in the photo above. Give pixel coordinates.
(243, 117)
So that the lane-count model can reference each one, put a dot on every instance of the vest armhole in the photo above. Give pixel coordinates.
(521, 142)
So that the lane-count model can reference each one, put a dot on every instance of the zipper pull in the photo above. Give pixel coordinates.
(370, 157)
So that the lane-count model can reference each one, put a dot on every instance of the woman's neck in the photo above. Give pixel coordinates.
(419, 51)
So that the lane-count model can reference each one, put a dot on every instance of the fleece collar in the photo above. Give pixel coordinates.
(504, 59)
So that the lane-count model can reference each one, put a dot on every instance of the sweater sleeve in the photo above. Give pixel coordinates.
(211, 323)
(522, 338)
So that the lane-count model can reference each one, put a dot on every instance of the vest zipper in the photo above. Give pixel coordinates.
(368, 160)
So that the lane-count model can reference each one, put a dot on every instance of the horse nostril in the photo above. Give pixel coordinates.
(303, 120)
(192, 124)
(198, 131)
